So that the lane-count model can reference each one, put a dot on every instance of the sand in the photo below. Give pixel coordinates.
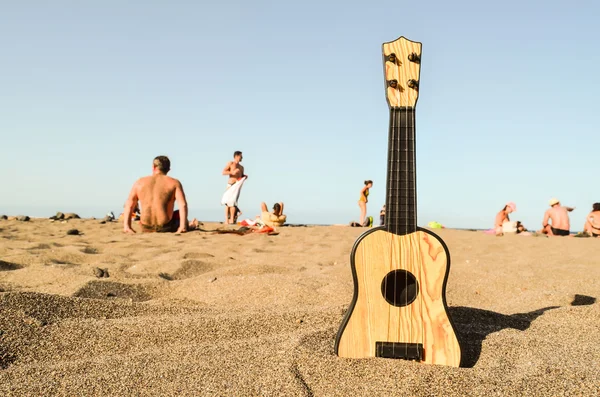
(256, 315)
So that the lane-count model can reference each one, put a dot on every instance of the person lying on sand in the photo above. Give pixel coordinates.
(275, 218)
(368, 222)
(559, 216)
(157, 194)
(592, 221)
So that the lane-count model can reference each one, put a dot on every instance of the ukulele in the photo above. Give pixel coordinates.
(400, 270)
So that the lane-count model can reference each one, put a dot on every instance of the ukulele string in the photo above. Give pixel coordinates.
(406, 204)
(394, 151)
(390, 221)
(397, 217)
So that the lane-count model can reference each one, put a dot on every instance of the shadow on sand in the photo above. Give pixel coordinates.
(8, 266)
(474, 325)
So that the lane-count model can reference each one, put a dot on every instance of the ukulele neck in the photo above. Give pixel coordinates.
(401, 191)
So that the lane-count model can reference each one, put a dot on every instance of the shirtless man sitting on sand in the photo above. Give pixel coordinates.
(234, 170)
(559, 216)
(157, 193)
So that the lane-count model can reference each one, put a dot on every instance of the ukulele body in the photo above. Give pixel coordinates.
(398, 309)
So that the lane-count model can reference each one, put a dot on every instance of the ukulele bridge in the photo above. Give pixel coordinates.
(405, 351)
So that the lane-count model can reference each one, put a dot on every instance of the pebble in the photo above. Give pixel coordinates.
(101, 273)
(22, 218)
(212, 280)
(73, 232)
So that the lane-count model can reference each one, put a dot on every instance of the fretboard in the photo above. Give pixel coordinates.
(401, 192)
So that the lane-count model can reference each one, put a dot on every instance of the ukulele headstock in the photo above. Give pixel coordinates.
(402, 69)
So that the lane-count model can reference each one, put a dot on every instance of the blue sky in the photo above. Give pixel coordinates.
(93, 91)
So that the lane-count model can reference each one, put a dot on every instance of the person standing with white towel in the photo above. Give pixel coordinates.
(235, 171)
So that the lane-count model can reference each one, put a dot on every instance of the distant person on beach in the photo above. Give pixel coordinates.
(235, 171)
(502, 217)
(274, 218)
(382, 216)
(135, 214)
(592, 221)
(559, 216)
(367, 223)
(157, 194)
(363, 200)
(237, 214)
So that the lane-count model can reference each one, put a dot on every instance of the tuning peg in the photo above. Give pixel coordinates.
(392, 83)
(391, 58)
(414, 84)
(413, 57)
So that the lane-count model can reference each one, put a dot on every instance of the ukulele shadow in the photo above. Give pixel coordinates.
(474, 325)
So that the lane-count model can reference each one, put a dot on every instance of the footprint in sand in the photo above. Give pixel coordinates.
(8, 266)
(189, 268)
(112, 290)
(90, 250)
(6, 357)
(39, 247)
(197, 255)
(59, 262)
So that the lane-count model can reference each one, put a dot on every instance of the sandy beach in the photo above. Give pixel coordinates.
(257, 315)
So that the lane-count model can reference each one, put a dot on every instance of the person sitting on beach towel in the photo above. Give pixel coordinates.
(592, 221)
(502, 217)
(275, 218)
(559, 216)
(157, 194)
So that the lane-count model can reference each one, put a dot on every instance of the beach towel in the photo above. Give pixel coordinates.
(509, 227)
(231, 195)
(248, 222)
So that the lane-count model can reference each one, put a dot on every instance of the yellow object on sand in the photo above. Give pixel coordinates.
(435, 225)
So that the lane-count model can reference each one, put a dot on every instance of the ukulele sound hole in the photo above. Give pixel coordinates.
(399, 288)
